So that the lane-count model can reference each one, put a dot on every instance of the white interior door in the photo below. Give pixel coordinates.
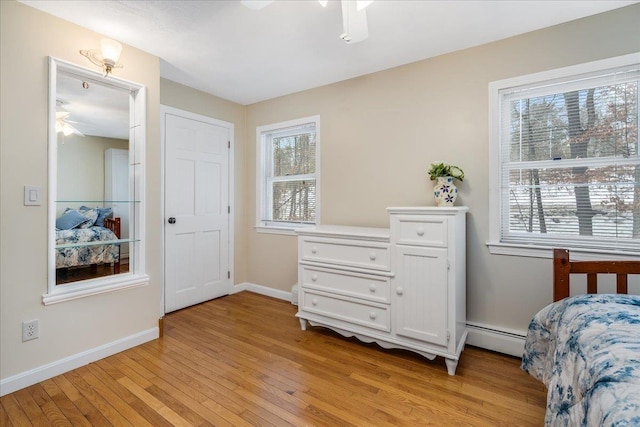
(196, 211)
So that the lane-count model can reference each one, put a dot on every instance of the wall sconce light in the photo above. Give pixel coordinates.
(106, 57)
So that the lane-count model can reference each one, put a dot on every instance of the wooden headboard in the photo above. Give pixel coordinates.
(113, 224)
(562, 268)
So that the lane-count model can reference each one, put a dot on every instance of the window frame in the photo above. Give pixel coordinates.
(263, 180)
(537, 249)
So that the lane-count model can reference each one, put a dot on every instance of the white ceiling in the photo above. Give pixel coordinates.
(94, 109)
(246, 56)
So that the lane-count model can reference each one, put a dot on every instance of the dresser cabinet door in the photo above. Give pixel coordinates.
(420, 294)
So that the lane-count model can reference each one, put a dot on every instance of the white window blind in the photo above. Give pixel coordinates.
(569, 161)
(289, 171)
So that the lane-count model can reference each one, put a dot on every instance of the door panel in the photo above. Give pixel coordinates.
(184, 180)
(210, 245)
(212, 194)
(196, 197)
(421, 294)
(185, 251)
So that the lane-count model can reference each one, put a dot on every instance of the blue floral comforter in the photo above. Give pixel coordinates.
(72, 256)
(586, 350)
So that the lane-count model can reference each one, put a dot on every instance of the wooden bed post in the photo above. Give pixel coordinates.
(114, 225)
(561, 270)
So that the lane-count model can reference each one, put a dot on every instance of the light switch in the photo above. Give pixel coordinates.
(32, 195)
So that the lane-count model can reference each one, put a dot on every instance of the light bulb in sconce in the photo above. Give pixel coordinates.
(106, 57)
(111, 50)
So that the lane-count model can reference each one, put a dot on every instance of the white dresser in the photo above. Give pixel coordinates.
(402, 287)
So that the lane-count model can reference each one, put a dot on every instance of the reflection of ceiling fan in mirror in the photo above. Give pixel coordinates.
(93, 108)
(354, 17)
(64, 126)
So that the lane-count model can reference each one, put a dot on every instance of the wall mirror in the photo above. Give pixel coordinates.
(96, 147)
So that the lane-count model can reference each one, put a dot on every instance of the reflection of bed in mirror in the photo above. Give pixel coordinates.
(78, 236)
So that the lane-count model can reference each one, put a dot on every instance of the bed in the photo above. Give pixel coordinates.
(586, 348)
(90, 232)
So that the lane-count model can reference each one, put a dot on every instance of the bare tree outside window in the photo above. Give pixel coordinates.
(573, 164)
(288, 173)
(293, 158)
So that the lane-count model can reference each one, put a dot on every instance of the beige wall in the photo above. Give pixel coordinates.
(381, 131)
(81, 167)
(27, 38)
(185, 98)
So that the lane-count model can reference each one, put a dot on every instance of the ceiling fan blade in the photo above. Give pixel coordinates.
(63, 126)
(74, 130)
(256, 4)
(354, 22)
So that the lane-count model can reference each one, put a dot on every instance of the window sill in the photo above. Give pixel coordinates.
(87, 288)
(286, 231)
(577, 254)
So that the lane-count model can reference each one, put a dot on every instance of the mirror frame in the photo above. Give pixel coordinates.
(137, 133)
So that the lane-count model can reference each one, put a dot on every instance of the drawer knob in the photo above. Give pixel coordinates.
(372, 315)
(314, 301)
(399, 291)
(314, 250)
(420, 231)
(372, 287)
(372, 256)
(314, 277)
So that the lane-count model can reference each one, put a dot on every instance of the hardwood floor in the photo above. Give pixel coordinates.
(243, 360)
(74, 274)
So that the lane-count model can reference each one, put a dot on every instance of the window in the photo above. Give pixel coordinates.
(565, 166)
(288, 175)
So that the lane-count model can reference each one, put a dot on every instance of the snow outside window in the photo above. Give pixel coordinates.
(565, 161)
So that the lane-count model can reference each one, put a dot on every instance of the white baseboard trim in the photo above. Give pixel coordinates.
(489, 337)
(495, 338)
(50, 370)
(262, 290)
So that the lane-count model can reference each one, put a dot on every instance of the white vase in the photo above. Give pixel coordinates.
(444, 191)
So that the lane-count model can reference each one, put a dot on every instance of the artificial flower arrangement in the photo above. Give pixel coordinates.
(442, 169)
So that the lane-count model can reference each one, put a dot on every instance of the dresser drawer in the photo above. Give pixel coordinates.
(420, 231)
(371, 315)
(374, 288)
(345, 252)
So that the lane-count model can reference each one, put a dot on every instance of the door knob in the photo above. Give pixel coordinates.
(172, 220)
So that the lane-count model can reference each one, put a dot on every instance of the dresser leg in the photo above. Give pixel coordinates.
(451, 366)
(303, 324)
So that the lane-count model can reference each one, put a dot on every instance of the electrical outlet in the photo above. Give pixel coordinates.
(30, 330)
